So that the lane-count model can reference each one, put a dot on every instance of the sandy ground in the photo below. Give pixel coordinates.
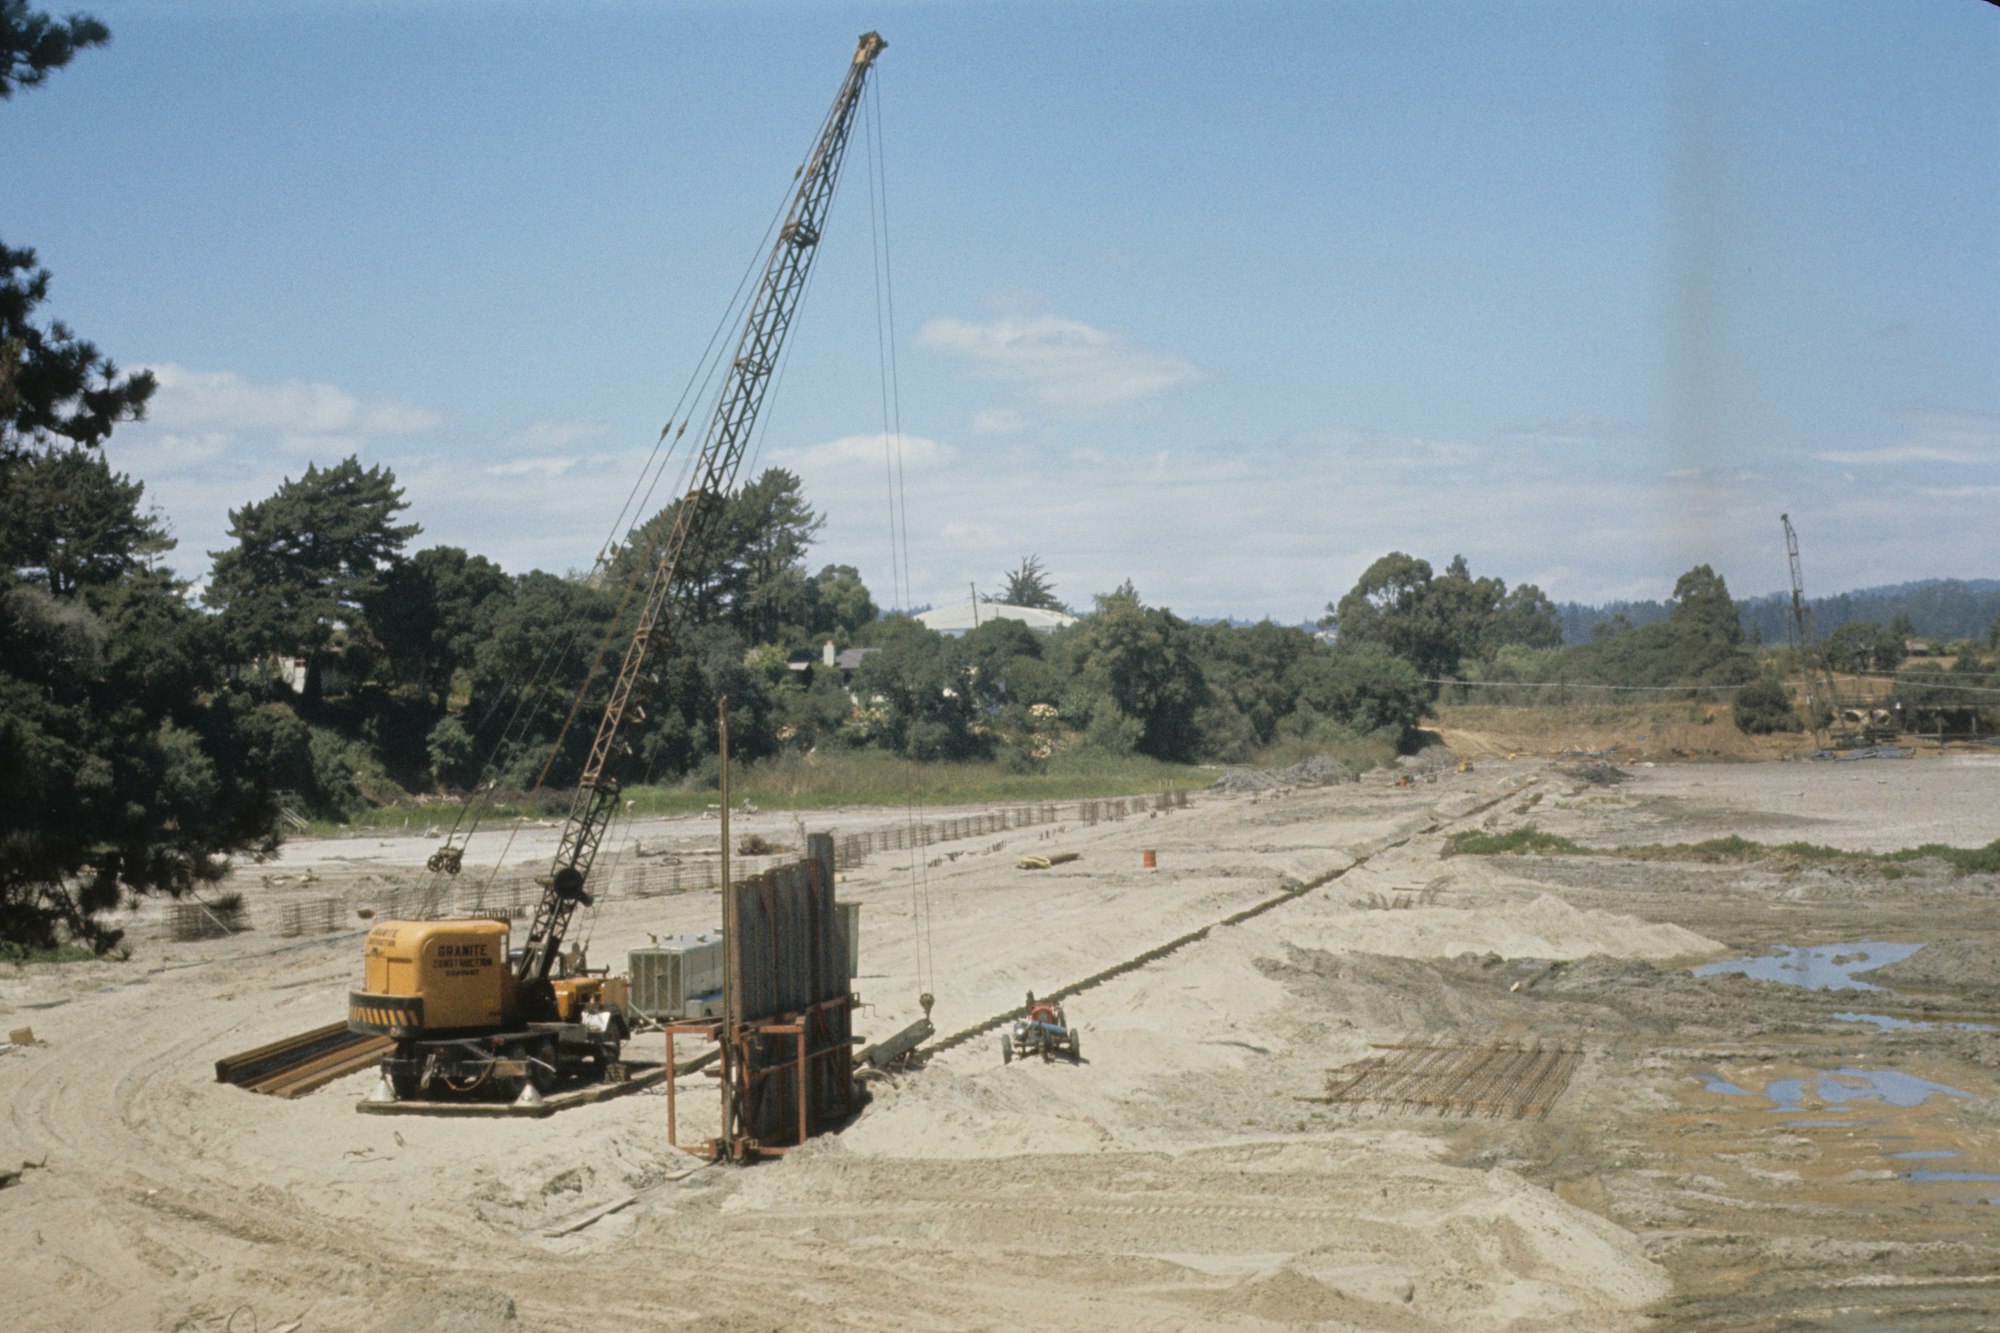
(1721, 1159)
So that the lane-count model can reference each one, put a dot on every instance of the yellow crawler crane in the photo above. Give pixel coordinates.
(465, 1023)
(469, 1013)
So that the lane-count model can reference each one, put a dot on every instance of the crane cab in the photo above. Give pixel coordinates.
(422, 978)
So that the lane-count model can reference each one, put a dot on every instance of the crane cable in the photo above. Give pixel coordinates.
(921, 912)
(702, 386)
(760, 430)
(541, 681)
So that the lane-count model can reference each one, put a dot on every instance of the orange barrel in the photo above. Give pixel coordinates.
(1148, 860)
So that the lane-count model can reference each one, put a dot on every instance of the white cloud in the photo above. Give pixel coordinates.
(1000, 421)
(1241, 526)
(1575, 430)
(552, 434)
(865, 453)
(222, 400)
(214, 440)
(1931, 435)
(1055, 369)
(158, 453)
(1283, 526)
(1015, 300)
(533, 467)
(1392, 449)
(1900, 453)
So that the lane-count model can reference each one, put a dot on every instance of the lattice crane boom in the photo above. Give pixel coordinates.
(714, 471)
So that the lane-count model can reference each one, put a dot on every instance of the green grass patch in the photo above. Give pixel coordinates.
(1965, 860)
(1514, 842)
(21, 954)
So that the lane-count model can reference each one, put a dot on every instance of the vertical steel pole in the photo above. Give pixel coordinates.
(730, 998)
(804, 1019)
(731, 984)
(673, 1120)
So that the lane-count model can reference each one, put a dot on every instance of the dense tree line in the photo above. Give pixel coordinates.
(124, 768)
(1942, 610)
(451, 671)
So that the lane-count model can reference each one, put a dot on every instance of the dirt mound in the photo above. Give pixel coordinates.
(1321, 770)
(1430, 759)
(1967, 964)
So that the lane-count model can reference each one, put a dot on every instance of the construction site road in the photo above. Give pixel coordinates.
(1728, 1150)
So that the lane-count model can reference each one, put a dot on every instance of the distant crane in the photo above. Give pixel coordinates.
(1820, 696)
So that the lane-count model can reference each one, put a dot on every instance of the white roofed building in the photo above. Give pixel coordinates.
(964, 617)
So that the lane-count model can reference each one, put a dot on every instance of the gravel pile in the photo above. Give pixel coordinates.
(1430, 759)
(1322, 770)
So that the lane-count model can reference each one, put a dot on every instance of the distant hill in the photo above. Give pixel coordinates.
(1938, 608)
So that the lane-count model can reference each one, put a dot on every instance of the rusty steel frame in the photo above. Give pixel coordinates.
(739, 1073)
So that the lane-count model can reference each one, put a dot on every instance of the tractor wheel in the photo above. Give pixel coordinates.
(1006, 1050)
(1075, 1047)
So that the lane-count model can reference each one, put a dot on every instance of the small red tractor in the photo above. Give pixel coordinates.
(1044, 1032)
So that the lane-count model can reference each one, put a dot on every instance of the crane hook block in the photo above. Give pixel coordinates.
(568, 886)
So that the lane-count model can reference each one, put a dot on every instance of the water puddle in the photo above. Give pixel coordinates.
(1833, 1090)
(1927, 1154)
(1890, 1023)
(1817, 966)
(1934, 1177)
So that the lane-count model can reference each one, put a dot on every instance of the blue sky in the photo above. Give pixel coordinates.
(1228, 300)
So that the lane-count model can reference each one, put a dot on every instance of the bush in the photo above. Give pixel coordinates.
(1763, 707)
(453, 763)
(1515, 842)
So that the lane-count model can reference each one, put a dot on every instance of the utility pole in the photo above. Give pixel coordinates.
(732, 998)
(732, 980)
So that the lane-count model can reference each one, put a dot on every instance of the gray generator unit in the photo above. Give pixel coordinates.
(679, 978)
